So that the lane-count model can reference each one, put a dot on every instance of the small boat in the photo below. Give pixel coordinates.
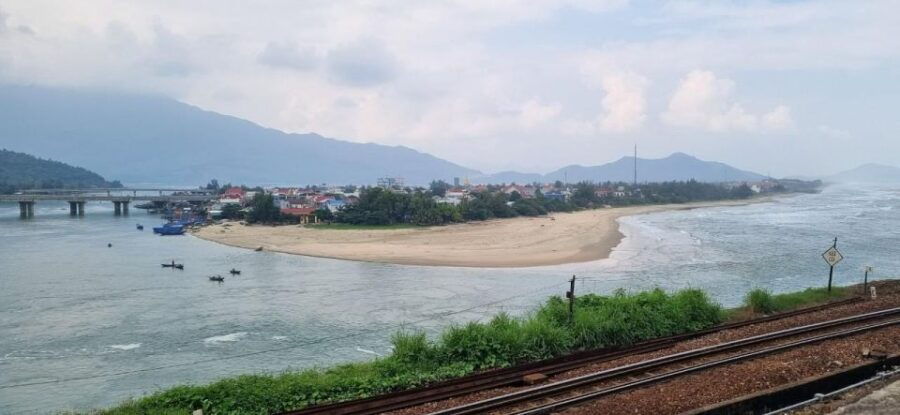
(217, 278)
(140, 227)
(258, 249)
(169, 229)
(173, 265)
(235, 271)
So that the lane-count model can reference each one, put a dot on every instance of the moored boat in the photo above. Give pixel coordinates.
(217, 278)
(169, 229)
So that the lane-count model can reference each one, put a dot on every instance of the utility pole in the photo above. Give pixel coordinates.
(571, 296)
(635, 166)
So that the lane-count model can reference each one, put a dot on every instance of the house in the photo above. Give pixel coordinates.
(603, 192)
(560, 195)
(526, 192)
(334, 205)
(306, 214)
(233, 195)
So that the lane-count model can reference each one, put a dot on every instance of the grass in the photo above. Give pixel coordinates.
(348, 226)
(762, 301)
(620, 319)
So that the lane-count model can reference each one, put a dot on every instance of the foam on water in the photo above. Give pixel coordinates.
(232, 337)
(130, 346)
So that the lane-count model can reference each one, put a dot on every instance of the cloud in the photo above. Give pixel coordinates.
(288, 55)
(362, 63)
(832, 132)
(779, 119)
(706, 102)
(623, 105)
(534, 113)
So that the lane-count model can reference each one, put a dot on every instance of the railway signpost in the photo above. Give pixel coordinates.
(868, 269)
(832, 256)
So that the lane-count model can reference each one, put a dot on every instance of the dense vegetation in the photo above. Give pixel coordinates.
(23, 171)
(378, 206)
(762, 301)
(599, 321)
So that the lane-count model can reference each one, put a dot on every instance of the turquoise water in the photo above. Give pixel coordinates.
(83, 325)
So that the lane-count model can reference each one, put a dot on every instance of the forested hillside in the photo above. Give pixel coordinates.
(24, 171)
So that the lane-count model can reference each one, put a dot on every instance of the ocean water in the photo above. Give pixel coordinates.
(83, 325)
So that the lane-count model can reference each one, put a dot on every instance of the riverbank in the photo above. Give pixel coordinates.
(558, 238)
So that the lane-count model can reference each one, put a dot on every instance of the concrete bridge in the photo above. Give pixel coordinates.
(120, 198)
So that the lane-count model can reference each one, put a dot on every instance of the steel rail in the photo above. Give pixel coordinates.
(642, 366)
(550, 407)
(513, 375)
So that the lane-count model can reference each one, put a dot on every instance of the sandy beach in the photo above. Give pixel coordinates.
(559, 238)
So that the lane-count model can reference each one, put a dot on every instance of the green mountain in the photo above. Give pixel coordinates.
(24, 171)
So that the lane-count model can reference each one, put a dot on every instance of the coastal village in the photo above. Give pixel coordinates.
(308, 203)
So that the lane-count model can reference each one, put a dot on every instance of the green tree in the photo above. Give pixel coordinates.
(232, 211)
(439, 188)
(263, 209)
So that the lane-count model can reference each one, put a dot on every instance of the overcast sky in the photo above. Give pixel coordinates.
(779, 87)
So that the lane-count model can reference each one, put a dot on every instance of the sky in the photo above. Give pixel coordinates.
(778, 87)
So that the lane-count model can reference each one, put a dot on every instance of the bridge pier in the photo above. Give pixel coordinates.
(120, 207)
(26, 209)
(76, 208)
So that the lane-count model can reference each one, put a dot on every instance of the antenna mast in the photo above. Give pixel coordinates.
(635, 165)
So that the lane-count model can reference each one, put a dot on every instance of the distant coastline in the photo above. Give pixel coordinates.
(555, 239)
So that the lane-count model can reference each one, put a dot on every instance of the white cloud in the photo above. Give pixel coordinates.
(446, 76)
(623, 105)
(706, 102)
(534, 113)
(779, 119)
(288, 55)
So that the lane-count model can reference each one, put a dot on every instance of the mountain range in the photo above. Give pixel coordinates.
(152, 139)
(868, 173)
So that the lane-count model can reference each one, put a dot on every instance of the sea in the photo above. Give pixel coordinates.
(87, 325)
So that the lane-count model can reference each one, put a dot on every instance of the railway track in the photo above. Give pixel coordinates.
(513, 375)
(556, 396)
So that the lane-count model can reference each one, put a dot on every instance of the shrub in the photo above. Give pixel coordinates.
(760, 301)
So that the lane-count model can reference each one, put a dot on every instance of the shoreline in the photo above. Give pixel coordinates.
(555, 239)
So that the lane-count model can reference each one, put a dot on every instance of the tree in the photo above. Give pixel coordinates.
(232, 211)
(263, 209)
(324, 214)
(213, 185)
(439, 188)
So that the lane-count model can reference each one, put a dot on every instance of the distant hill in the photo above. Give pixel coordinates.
(20, 170)
(868, 173)
(678, 166)
(146, 139)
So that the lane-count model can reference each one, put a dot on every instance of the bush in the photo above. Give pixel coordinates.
(760, 301)
(599, 321)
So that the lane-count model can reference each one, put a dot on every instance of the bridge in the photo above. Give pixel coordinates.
(120, 197)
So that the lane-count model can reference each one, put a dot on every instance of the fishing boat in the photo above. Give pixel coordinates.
(173, 265)
(235, 271)
(217, 278)
(140, 227)
(169, 229)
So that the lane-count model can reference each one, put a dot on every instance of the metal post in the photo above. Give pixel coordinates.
(866, 279)
(831, 269)
(571, 296)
